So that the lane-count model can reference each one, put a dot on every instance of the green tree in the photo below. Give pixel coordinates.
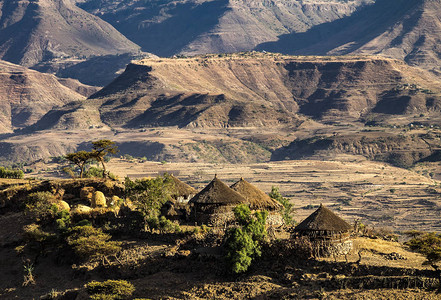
(287, 210)
(10, 173)
(428, 244)
(100, 149)
(80, 159)
(149, 195)
(243, 243)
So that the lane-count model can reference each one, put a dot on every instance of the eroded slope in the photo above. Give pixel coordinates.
(35, 31)
(262, 90)
(26, 95)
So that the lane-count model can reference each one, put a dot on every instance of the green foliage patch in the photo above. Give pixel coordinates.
(110, 289)
(149, 195)
(243, 243)
(11, 173)
(428, 244)
(90, 242)
(41, 206)
(287, 210)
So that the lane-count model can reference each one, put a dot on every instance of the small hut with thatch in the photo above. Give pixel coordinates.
(258, 200)
(215, 203)
(182, 192)
(329, 234)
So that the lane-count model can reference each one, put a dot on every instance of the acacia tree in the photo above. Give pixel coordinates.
(100, 149)
(80, 159)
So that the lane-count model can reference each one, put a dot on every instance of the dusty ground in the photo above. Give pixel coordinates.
(159, 272)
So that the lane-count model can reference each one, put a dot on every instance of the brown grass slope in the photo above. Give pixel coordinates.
(35, 31)
(261, 90)
(26, 95)
(194, 27)
(404, 29)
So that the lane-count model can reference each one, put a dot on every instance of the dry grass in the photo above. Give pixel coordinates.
(376, 249)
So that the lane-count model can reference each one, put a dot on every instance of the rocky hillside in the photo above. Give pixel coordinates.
(252, 89)
(194, 27)
(26, 95)
(409, 30)
(35, 31)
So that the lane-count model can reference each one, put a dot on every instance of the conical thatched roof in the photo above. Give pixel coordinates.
(181, 188)
(254, 196)
(323, 219)
(217, 192)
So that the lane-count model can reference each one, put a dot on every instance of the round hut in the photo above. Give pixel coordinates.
(258, 200)
(215, 203)
(329, 234)
(181, 192)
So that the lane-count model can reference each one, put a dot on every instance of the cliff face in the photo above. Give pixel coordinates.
(262, 90)
(36, 31)
(194, 27)
(26, 95)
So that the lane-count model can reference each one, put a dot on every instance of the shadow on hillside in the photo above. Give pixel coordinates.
(97, 71)
(184, 23)
(352, 31)
(196, 274)
(16, 36)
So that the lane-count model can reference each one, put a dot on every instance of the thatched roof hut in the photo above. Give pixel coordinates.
(327, 231)
(217, 192)
(255, 197)
(215, 203)
(323, 219)
(181, 191)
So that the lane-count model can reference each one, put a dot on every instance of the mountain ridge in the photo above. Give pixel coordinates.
(405, 29)
(26, 95)
(254, 89)
(197, 27)
(36, 31)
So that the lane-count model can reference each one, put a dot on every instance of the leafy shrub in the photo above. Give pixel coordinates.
(163, 224)
(33, 232)
(95, 172)
(89, 242)
(41, 205)
(287, 210)
(243, 244)
(149, 195)
(429, 245)
(110, 289)
(10, 173)
(63, 221)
